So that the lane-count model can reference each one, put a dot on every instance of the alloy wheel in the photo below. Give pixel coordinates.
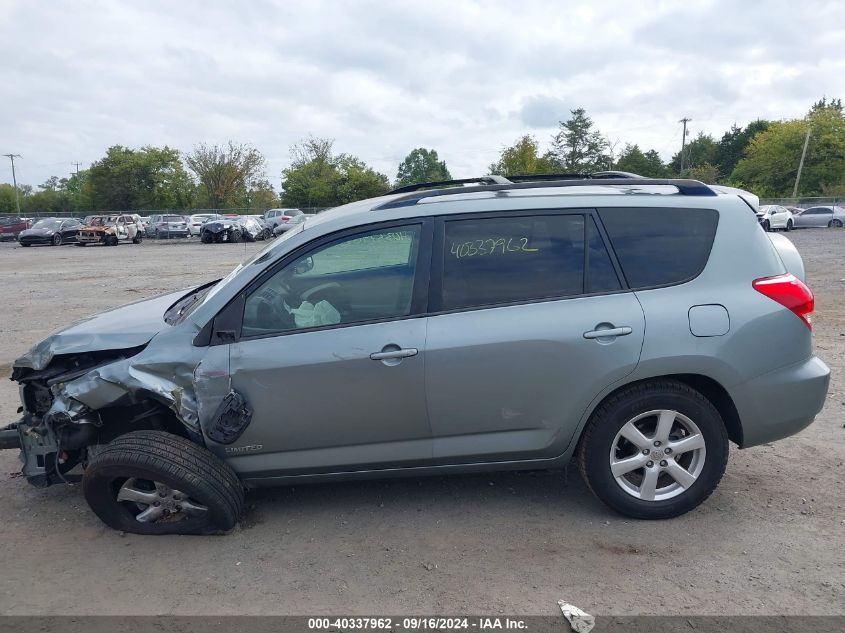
(155, 501)
(657, 455)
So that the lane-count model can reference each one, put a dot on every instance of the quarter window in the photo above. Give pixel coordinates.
(502, 260)
(657, 247)
(362, 277)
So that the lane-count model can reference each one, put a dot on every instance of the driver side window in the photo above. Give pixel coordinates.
(358, 278)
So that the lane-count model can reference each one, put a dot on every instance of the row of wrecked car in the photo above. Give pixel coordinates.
(112, 229)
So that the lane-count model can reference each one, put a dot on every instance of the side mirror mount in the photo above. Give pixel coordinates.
(303, 265)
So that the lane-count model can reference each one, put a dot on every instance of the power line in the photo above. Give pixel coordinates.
(685, 120)
(12, 158)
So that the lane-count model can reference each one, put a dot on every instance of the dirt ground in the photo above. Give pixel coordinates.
(771, 539)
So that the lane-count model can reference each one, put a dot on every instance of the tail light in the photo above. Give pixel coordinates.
(285, 218)
(790, 292)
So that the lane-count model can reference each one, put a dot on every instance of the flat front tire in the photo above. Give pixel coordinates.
(654, 450)
(153, 482)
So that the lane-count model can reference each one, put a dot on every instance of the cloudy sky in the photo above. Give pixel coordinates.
(383, 77)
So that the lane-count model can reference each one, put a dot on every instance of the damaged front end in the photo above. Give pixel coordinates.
(80, 388)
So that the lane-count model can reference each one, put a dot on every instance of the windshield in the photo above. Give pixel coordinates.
(253, 259)
(101, 220)
(47, 224)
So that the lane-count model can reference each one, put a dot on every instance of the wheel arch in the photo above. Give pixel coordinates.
(706, 386)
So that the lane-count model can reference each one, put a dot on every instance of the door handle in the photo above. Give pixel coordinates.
(394, 354)
(609, 332)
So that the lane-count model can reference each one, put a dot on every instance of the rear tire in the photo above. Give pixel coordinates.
(138, 238)
(235, 237)
(205, 237)
(618, 471)
(171, 471)
(57, 239)
(835, 224)
(766, 226)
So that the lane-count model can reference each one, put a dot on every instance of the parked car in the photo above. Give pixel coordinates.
(167, 226)
(54, 231)
(111, 229)
(605, 320)
(277, 217)
(11, 226)
(796, 210)
(196, 221)
(821, 216)
(233, 229)
(293, 223)
(774, 216)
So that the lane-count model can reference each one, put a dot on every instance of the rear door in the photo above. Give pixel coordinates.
(530, 323)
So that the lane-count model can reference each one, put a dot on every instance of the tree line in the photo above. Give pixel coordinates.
(762, 157)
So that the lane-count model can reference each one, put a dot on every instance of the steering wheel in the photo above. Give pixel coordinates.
(270, 310)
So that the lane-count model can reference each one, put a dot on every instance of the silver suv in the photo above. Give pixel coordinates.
(494, 324)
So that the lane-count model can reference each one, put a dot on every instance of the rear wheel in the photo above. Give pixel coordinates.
(766, 226)
(138, 238)
(235, 236)
(654, 450)
(152, 482)
(57, 239)
(837, 224)
(205, 237)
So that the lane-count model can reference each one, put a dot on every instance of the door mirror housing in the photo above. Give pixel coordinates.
(303, 266)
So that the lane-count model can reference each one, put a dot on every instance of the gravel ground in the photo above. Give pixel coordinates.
(771, 539)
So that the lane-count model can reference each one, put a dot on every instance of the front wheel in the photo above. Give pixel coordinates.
(138, 237)
(788, 226)
(205, 237)
(766, 226)
(152, 482)
(235, 236)
(654, 451)
(57, 239)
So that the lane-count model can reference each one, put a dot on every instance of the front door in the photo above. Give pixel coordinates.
(331, 356)
(532, 326)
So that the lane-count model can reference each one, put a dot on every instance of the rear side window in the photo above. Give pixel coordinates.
(503, 260)
(657, 247)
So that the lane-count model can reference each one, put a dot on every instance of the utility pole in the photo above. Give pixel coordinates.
(12, 158)
(801, 162)
(685, 120)
(77, 168)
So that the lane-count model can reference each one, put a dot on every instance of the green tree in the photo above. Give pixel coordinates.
(318, 178)
(261, 196)
(648, 164)
(578, 148)
(771, 162)
(521, 159)
(148, 178)
(731, 148)
(225, 172)
(700, 150)
(7, 198)
(421, 165)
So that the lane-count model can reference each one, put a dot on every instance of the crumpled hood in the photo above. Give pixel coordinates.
(129, 326)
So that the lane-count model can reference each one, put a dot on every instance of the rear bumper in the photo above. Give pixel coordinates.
(782, 402)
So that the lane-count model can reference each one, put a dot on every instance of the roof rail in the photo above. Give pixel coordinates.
(576, 176)
(487, 180)
(684, 186)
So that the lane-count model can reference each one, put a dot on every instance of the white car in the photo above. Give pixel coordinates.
(196, 221)
(774, 216)
(276, 217)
